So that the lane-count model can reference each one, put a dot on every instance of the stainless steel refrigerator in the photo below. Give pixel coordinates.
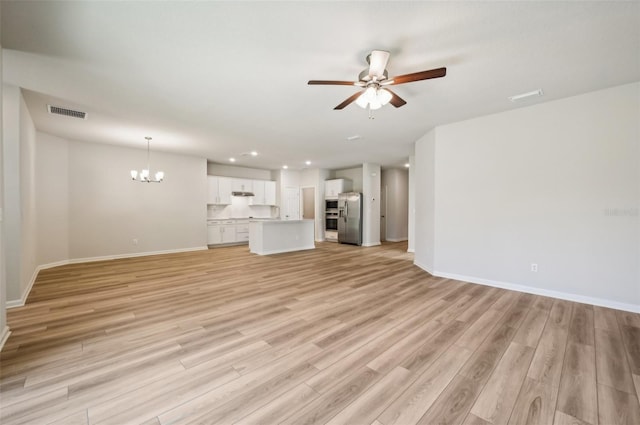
(350, 218)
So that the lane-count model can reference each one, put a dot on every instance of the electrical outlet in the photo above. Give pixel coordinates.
(134, 241)
(534, 267)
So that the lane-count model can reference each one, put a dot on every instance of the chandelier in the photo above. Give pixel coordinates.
(144, 175)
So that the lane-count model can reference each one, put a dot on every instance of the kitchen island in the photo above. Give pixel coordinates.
(276, 236)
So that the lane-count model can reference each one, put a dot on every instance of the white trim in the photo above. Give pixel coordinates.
(539, 291)
(5, 336)
(21, 302)
(25, 293)
(396, 239)
(371, 244)
(412, 251)
(423, 267)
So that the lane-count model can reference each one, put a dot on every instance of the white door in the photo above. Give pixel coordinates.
(291, 203)
(383, 213)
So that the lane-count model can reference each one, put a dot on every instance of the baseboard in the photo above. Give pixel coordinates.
(423, 267)
(539, 291)
(4, 337)
(411, 250)
(372, 244)
(21, 302)
(396, 239)
(132, 255)
(27, 291)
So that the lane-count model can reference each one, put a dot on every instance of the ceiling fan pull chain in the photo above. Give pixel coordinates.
(371, 117)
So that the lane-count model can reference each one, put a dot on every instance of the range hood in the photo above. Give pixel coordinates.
(242, 194)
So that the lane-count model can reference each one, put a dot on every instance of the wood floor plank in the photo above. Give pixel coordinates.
(276, 410)
(562, 418)
(495, 402)
(409, 407)
(617, 407)
(636, 383)
(454, 403)
(535, 404)
(546, 365)
(560, 314)
(373, 401)
(326, 406)
(611, 366)
(605, 318)
(577, 396)
(223, 336)
(631, 340)
(531, 328)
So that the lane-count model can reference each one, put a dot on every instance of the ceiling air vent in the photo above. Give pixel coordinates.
(66, 112)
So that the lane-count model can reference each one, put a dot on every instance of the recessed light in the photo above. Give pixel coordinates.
(232, 160)
(285, 167)
(354, 137)
(307, 162)
(254, 153)
(526, 95)
(407, 165)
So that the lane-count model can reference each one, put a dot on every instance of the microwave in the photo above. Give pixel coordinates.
(331, 204)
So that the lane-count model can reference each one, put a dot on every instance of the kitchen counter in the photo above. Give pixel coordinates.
(276, 236)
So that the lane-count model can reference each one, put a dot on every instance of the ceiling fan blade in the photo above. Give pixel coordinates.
(348, 101)
(417, 76)
(331, 83)
(378, 63)
(396, 100)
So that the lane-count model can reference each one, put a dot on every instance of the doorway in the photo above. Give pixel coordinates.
(383, 213)
(291, 203)
(309, 205)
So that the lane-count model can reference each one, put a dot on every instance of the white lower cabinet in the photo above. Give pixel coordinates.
(227, 231)
(242, 232)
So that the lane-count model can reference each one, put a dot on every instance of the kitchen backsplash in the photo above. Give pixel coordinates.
(240, 208)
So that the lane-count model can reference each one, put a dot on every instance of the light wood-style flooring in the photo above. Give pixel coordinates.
(338, 335)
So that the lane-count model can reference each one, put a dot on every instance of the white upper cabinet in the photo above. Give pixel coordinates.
(269, 193)
(241, 185)
(219, 190)
(264, 192)
(258, 193)
(333, 187)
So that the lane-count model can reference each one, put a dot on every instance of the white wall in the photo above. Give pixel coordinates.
(370, 204)
(52, 191)
(425, 189)
(556, 184)
(411, 225)
(353, 174)
(107, 210)
(4, 329)
(315, 178)
(397, 183)
(19, 193)
(28, 221)
(88, 206)
(214, 169)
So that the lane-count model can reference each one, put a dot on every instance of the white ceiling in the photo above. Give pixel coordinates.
(218, 79)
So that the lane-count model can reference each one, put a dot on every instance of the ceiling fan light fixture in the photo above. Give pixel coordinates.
(384, 96)
(362, 100)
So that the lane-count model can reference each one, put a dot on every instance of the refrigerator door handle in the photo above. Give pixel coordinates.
(346, 211)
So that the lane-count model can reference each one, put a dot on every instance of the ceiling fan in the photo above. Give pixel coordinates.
(375, 82)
